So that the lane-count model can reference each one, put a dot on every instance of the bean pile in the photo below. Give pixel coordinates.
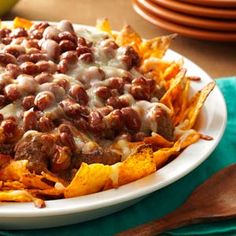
(54, 77)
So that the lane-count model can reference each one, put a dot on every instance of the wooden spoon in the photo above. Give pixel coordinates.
(214, 200)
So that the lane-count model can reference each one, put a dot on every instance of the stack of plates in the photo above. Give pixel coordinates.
(203, 19)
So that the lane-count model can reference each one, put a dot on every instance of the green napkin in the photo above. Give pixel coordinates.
(169, 198)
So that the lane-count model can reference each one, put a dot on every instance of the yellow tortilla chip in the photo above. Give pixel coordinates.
(127, 36)
(155, 47)
(21, 22)
(162, 156)
(174, 90)
(158, 140)
(14, 170)
(20, 196)
(104, 25)
(180, 104)
(136, 166)
(89, 179)
(195, 105)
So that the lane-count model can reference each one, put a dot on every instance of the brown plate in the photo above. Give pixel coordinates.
(203, 11)
(184, 30)
(187, 19)
(213, 3)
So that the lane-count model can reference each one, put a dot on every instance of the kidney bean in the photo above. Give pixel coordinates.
(46, 66)
(6, 40)
(68, 140)
(9, 127)
(26, 83)
(79, 94)
(81, 124)
(131, 119)
(36, 33)
(29, 68)
(124, 101)
(15, 50)
(7, 58)
(86, 58)
(109, 43)
(140, 89)
(28, 102)
(109, 47)
(58, 91)
(44, 100)
(81, 41)
(82, 50)
(62, 82)
(18, 32)
(116, 83)
(114, 120)
(40, 25)
(103, 92)
(138, 137)
(130, 52)
(63, 66)
(61, 159)
(30, 120)
(70, 56)
(66, 25)
(2, 102)
(51, 32)
(72, 109)
(93, 72)
(51, 48)
(12, 92)
(105, 110)
(4, 32)
(36, 57)
(14, 70)
(43, 77)
(32, 43)
(115, 102)
(23, 58)
(151, 84)
(96, 124)
(67, 45)
(67, 36)
(45, 124)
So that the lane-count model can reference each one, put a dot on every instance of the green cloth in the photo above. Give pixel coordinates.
(169, 198)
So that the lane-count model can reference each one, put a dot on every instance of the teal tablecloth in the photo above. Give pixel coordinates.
(170, 197)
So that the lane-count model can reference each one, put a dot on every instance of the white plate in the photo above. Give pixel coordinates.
(212, 122)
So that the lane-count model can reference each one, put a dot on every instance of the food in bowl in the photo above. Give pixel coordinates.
(88, 110)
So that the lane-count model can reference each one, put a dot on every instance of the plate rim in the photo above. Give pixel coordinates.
(27, 210)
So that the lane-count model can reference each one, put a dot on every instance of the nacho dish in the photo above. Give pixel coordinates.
(82, 111)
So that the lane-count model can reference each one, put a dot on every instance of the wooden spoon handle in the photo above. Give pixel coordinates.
(177, 219)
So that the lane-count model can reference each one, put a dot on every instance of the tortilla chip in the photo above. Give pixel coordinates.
(88, 179)
(12, 185)
(155, 47)
(104, 25)
(21, 22)
(163, 155)
(195, 105)
(127, 36)
(14, 170)
(20, 196)
(174, 90)
(180, 104)
(136, 166)
(158, 140)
